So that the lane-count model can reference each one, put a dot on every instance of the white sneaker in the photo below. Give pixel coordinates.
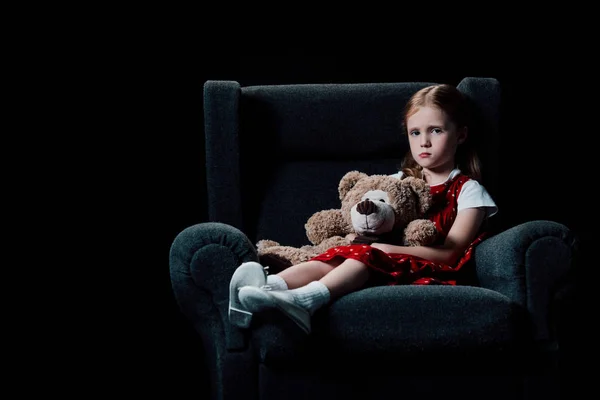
(247, 274)
(257, 299)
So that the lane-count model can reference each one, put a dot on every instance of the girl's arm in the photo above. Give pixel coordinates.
(463, 232)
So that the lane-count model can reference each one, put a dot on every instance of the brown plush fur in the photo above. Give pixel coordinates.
(409, 199)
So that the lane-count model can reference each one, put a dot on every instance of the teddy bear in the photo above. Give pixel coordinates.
(380, 208)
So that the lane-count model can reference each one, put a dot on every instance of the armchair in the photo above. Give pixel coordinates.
(268, 150)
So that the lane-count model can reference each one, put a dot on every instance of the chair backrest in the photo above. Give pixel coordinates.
(275, 154)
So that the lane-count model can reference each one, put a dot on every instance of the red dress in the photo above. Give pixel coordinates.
(395, 269)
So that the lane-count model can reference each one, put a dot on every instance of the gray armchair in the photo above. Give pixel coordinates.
(269, 151)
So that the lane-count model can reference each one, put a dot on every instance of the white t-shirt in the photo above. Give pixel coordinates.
(472, 194)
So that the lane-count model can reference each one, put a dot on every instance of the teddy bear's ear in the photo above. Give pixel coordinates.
(423, 192)
(348, 181)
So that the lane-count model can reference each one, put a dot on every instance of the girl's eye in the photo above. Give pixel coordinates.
(414, 133)
(436, 130)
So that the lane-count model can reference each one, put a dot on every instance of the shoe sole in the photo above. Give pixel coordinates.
(248, 274)
(257, 299)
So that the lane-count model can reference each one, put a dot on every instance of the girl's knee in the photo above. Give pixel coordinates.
(356, 265)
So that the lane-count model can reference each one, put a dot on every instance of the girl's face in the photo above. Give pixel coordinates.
(433, 139)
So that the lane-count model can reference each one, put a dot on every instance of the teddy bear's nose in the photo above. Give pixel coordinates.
(366, 207)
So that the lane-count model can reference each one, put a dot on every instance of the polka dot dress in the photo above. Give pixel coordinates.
(394, 269)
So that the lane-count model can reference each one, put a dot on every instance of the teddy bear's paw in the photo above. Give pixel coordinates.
(265, 244)
(274, 262)
(421, 232)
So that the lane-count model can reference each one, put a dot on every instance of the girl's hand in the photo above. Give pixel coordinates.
(389, 248)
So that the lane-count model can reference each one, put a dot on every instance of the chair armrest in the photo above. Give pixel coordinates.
(532, 264)
(202, 260)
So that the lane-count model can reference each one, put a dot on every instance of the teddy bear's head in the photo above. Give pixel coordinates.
(377, 204)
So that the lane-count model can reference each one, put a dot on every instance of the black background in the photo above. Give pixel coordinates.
(546, 156)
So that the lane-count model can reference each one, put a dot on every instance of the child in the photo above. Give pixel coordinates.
(436, 122)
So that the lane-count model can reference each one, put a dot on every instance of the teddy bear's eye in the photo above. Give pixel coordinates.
(382, 200)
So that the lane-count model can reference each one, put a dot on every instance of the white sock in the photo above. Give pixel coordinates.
(312, 296)
(276, 282)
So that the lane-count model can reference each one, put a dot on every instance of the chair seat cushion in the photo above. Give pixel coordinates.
(390, 321)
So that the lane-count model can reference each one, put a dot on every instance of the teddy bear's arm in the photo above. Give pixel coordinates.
(333, 242)
(264, 244)
(325, 224)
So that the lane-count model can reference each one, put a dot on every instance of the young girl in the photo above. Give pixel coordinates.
(436, 122)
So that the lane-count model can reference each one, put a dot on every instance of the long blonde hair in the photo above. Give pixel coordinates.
(450, 100)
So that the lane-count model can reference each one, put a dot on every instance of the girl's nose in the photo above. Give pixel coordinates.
(425, 141)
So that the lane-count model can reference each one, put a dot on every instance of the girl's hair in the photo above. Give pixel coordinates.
(450, 100)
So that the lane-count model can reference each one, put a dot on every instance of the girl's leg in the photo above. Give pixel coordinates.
(349, 276)
(301, 274)
(253, 274)
(340, 277)
(322, 282)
